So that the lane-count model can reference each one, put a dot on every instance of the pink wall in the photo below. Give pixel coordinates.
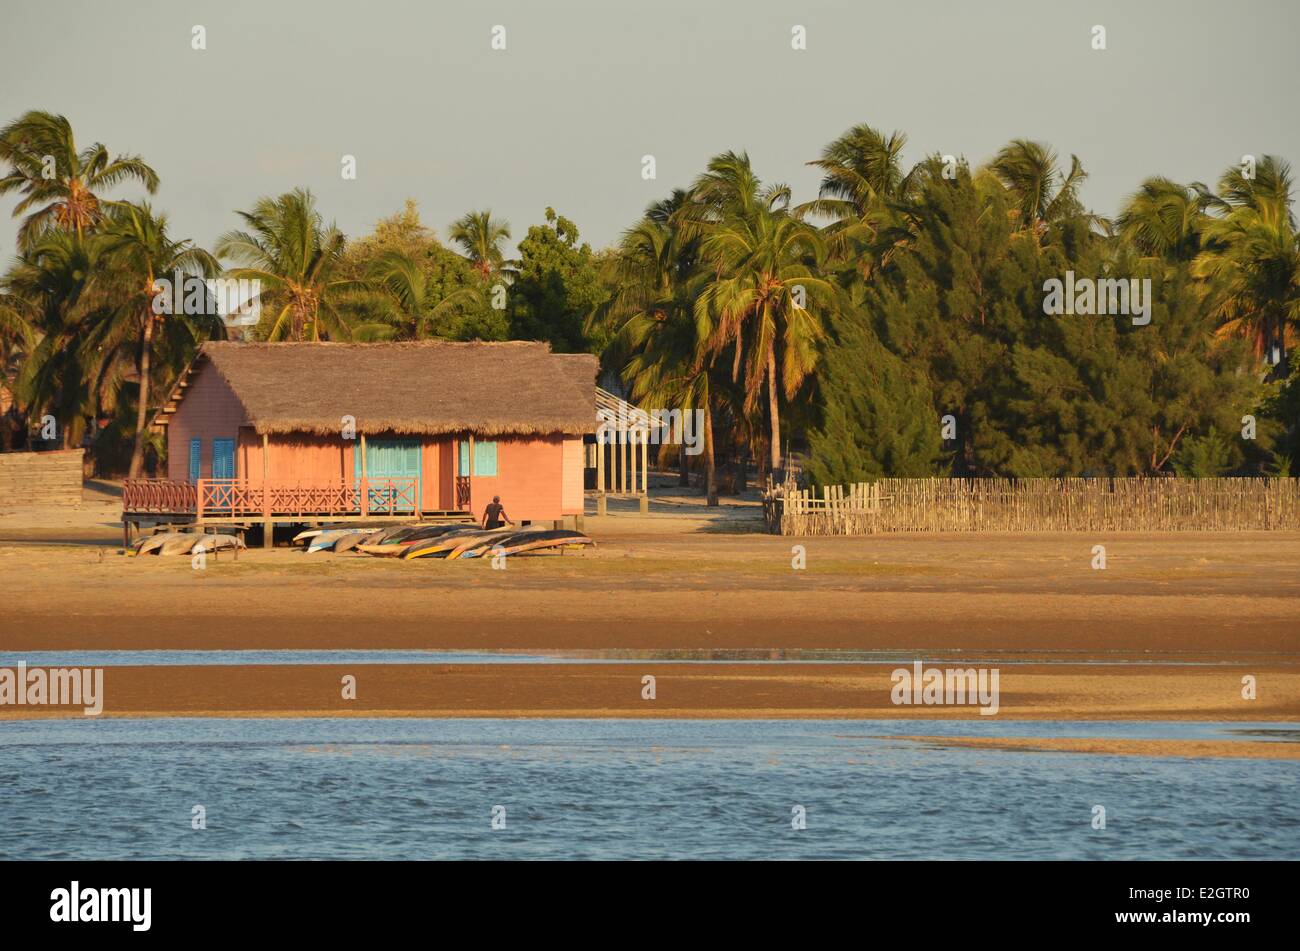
(209, 410)
(529, 480)
(573, 494)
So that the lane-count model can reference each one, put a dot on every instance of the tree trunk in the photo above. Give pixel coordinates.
(772, 400)
(684, 471)
(710, 469)
(142, 410)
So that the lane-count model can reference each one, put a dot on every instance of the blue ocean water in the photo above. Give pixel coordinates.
(645, 789)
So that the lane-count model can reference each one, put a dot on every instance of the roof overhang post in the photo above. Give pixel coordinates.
(365, 475)
(268, 527)
(645, 472)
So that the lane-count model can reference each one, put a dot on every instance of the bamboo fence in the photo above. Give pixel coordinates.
(1036, 505)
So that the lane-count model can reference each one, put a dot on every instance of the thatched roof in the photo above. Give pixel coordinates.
(581, 369)
(430, 387)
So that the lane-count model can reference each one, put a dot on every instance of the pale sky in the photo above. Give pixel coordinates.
(585, 88)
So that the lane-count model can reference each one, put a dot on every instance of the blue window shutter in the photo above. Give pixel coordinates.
(464, 458)
(485, 458)
(223, 458)
(196, 457)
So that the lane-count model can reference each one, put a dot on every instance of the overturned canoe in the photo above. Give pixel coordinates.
(535, 541)
(351, 540)
(517, 536)
(208, 543)
(399, 535)
(151, 544)
(382, 534)
(326, 539)
(448, 542)
(470, 547)
(180, 545)
(435, 531)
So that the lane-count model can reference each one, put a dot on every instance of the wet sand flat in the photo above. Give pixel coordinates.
(716, 690)
(1192, 749)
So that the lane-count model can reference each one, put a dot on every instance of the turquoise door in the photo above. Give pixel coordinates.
(390, 459)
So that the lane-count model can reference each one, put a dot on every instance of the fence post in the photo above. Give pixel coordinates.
(268, 527)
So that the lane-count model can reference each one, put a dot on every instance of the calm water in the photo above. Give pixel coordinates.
(414, 788)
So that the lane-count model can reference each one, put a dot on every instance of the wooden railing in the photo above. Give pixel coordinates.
(239, 498)
(158, 495)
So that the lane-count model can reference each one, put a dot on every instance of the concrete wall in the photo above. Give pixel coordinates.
(40, 478)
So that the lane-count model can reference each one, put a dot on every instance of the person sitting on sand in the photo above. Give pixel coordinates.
(494, 516)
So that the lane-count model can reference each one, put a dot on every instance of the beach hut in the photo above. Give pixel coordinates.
(292, 432)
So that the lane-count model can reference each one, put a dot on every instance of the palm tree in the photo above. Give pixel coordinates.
(1164, 219)
(58, 286)
(61, 183)
(1251, 260)
(480, 237)
(656, 282)
(669, 367)
(292, 254)
(1043, 195)
(140, 247)
(404, 303)
(764, 298)
(864, 192)
(17, 338)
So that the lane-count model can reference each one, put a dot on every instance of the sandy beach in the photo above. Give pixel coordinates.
(1167, 631)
